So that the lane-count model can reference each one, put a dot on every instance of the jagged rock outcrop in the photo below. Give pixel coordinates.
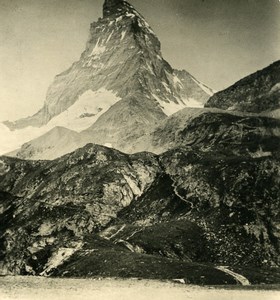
(62, 200)
(109, 203)
(111, 7)
(234, 201)
(259, 92)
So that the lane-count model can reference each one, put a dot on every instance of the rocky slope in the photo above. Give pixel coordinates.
(259, 92)
(51, 145)
(179, 211)
(84, 191)
(200, 128)
(215, 130)
(226, 118)
(122, 66)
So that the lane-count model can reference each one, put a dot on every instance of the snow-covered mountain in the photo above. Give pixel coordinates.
(121, 70)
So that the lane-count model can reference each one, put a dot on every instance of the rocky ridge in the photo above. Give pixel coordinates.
(108, 202)
(200, 128)
(214, 130)
(227, 128)
(258, 92)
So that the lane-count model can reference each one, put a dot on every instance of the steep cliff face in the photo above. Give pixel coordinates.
(122, 55)
(112, 6)
(235, 200)
(259, 92)
(69, 198)
(122, 68)
(229, 207)
(97, 203)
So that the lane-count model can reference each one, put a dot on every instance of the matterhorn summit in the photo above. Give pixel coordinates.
(112, 7)
(119, 88)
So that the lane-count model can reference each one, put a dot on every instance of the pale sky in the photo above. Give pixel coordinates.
(217, 41)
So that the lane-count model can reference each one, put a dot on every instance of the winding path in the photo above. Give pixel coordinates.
(241, 279)
(116, 233)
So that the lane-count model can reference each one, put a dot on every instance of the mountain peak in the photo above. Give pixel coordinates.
(111, 7)
(120, 76)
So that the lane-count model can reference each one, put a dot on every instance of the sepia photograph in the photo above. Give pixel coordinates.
(139, 149)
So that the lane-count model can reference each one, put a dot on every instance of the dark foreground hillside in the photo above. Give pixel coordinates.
(99, 212)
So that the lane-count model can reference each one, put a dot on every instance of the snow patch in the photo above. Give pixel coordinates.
(108, 145)
(116, 233)
(97, 50)
(203, 87)
(93, 104)
(159, 57)
(182, 281)
(144, 24)
(93, 63)
(190, 102)
(123, 35)
(150, 69)
(130, 15)
(59, 257)
(109, 37)
(166, 87)
(232, 108)
(171, 107)
(261, 153)
(45, 229)
(177, 81)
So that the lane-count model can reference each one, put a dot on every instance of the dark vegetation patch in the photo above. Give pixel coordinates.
(115, 261)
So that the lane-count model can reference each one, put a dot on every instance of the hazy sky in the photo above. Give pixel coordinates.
(218, 41)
